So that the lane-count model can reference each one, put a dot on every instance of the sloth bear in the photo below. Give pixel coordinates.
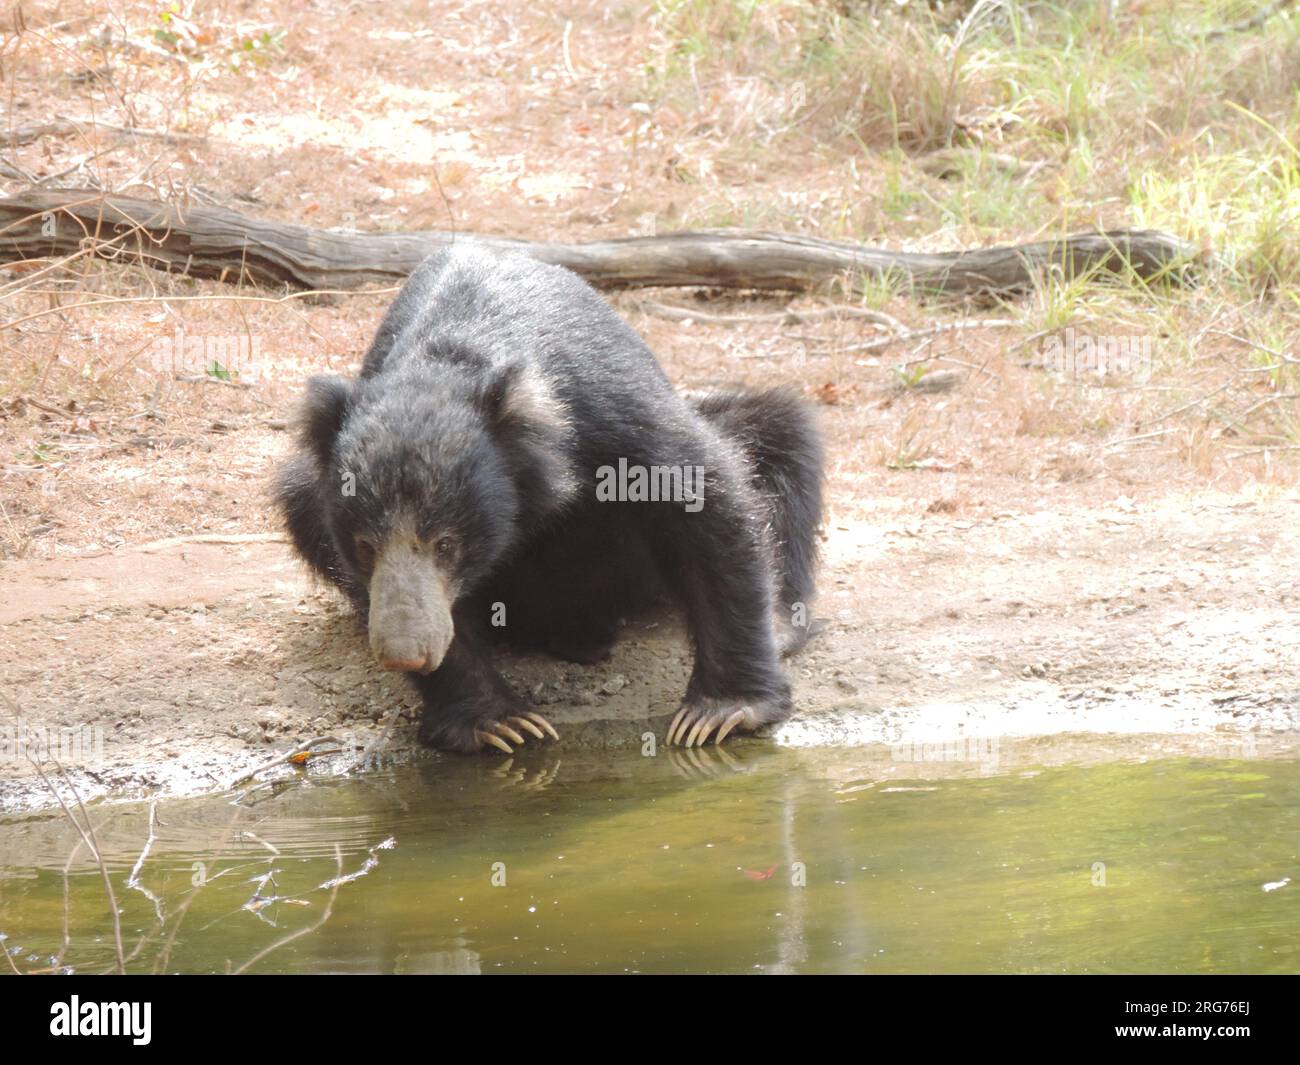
(512, 463)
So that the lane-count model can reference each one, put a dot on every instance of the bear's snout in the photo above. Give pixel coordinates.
(409, 663)
(410, 612)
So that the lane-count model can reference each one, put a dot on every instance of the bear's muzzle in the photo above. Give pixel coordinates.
(410, 610)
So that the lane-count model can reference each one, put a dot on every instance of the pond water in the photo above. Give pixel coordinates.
(765, 860)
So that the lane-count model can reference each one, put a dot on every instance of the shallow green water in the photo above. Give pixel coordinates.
(783, 861)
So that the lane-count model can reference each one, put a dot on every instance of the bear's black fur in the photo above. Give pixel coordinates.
(452, 487)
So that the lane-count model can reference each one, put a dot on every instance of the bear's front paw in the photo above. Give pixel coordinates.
(474, 734)
(702, 717)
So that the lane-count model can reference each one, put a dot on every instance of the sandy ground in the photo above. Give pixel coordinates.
(1162, 628)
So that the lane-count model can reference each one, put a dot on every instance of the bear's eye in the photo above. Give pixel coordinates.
(444, 546)
(365, 551)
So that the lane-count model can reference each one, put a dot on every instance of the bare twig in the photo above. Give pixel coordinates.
(209, 379)
(133, 881)
(568, 54)
(9, 958)
(380, 741)
(1194, 403)
(306, 930)
(88, 837)
(919, 334)
(1282, 357)
(1267, 400)
(1143, 436)
(49, 408)
(789, 316)
(297, 752)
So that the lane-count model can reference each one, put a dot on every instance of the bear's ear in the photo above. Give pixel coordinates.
(532, 425)
(321, 415)
(517, 399)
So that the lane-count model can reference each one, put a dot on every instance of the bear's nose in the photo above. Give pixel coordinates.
(405, 665)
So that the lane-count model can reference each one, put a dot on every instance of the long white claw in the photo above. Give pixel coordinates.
(505, 730)
(546, 725)
(695, 731)
(496, 741)
(672, 728)
(527, 726)
(731, 722)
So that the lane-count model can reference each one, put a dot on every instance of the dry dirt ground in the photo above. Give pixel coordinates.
(1012, 556)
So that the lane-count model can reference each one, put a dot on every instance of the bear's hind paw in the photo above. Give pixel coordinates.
(696, 721)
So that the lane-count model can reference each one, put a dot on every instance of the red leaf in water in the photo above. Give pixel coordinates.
(754, 874)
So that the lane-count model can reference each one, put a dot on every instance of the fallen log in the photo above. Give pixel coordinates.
(212, 242)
